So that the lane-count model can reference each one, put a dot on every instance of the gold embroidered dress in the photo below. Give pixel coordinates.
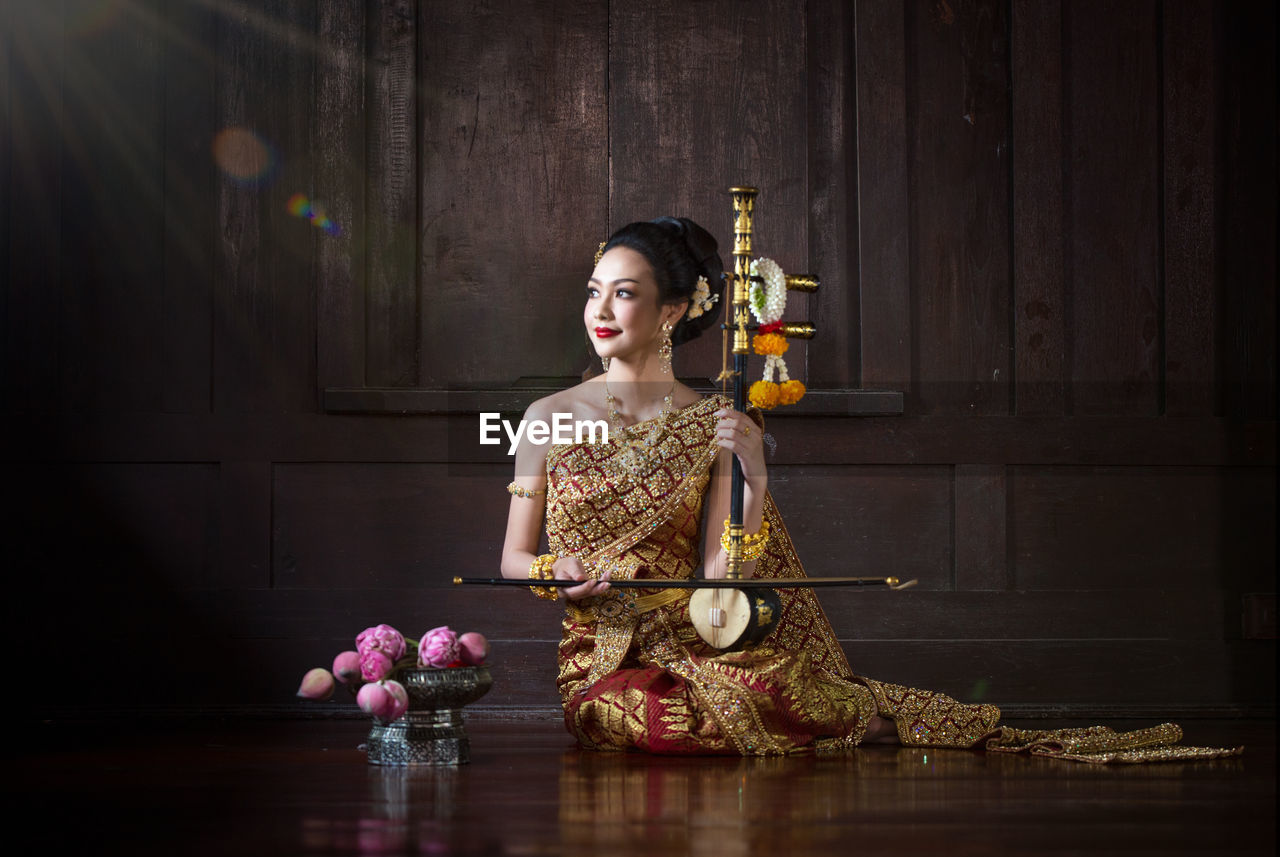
(633, 672)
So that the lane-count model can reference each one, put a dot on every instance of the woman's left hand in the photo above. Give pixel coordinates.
(738, 433)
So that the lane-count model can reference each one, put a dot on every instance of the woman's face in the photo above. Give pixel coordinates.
(622, 315)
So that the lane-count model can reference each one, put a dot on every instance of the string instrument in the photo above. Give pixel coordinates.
(750, 613)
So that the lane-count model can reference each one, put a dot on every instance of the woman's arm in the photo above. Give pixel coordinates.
(749, 448)
(525, 515)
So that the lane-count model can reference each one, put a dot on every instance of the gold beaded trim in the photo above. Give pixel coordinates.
(752, 545)
(515, 489)
(600, 251)
(541, 570)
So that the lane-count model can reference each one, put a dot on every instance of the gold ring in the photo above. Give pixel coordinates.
(746, 431)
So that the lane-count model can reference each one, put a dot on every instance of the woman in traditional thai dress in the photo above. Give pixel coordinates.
(650, 502)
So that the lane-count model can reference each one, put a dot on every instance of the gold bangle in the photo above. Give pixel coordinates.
(541, 570)
(528, 493)
(752, 545)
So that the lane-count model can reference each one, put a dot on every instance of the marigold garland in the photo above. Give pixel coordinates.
(770, 343)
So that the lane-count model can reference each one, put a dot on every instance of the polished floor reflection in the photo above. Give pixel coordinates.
(303, 788)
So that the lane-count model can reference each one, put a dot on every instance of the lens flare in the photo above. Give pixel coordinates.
(243, 156)
(300, 206)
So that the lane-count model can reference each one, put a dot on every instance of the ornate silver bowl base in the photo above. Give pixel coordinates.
(431, 732)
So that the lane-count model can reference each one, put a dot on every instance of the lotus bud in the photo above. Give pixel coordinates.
(385, 700)
(473, 648)
(439, 647)
(400, 695)
(316, 684)
(375, 666)
(381, 638)
(346, 667)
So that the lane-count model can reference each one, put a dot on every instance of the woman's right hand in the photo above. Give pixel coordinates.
(570, 568)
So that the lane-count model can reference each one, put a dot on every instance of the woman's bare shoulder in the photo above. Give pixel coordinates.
(578, 400)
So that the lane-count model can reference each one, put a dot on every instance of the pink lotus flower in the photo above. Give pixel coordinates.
(473, 648)
(316, 684)
(439, 648)
(346, 667)
(385, 700)
(375, 666)
(381, 638)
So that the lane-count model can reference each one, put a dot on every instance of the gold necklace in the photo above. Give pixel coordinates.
(636, 456)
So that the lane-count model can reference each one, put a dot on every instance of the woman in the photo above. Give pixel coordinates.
(649, 504)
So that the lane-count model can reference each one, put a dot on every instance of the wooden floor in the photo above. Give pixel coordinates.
(304, 788)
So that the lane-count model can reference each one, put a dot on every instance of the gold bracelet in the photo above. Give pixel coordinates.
(541, 570)
(752, 545)
(515, 489)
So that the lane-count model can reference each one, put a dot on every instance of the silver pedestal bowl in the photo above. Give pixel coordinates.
(431, 732)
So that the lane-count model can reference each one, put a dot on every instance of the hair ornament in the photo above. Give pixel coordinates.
(600, 252)
(768, 299)
(702, 299)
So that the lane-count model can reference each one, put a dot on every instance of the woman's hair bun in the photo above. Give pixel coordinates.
(679, 251)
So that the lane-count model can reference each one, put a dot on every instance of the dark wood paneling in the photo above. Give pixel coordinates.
(834, 356)
(6, 195)
(1039, 224)
(981, 538)
(113, 198)
(187, 40)
(1112, 106)
(392, 349)
(883, 251)
(34, 281)
(1192, 282)
(244, 524)
(958, 127)
(869, 520)
(265, 323)
(512, 186)
(341, 118)
(696, 107)
(1249, 246)
(1128, 527)
(382, 525)
(1073, 672)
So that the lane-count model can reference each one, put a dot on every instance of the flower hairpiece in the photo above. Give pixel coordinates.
(702, 299)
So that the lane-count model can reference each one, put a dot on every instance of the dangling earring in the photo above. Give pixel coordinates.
(664, 349)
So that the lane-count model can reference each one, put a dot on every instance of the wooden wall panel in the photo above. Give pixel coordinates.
(981, 512)
(342, 116)
(1039, 221)
(113, 198)
(33, 278)
(264, 319)
(958, 125)
(1123, 527)
(1249, 244)
(1115, 306)
(869, 520)
(835, 355)
(682, 131)
(883, 248)
(1192, 273)
(512, 186)
(189, 182)
(382, 525)
(392, 348)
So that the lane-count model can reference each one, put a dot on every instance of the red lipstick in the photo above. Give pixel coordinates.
(605, 333)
